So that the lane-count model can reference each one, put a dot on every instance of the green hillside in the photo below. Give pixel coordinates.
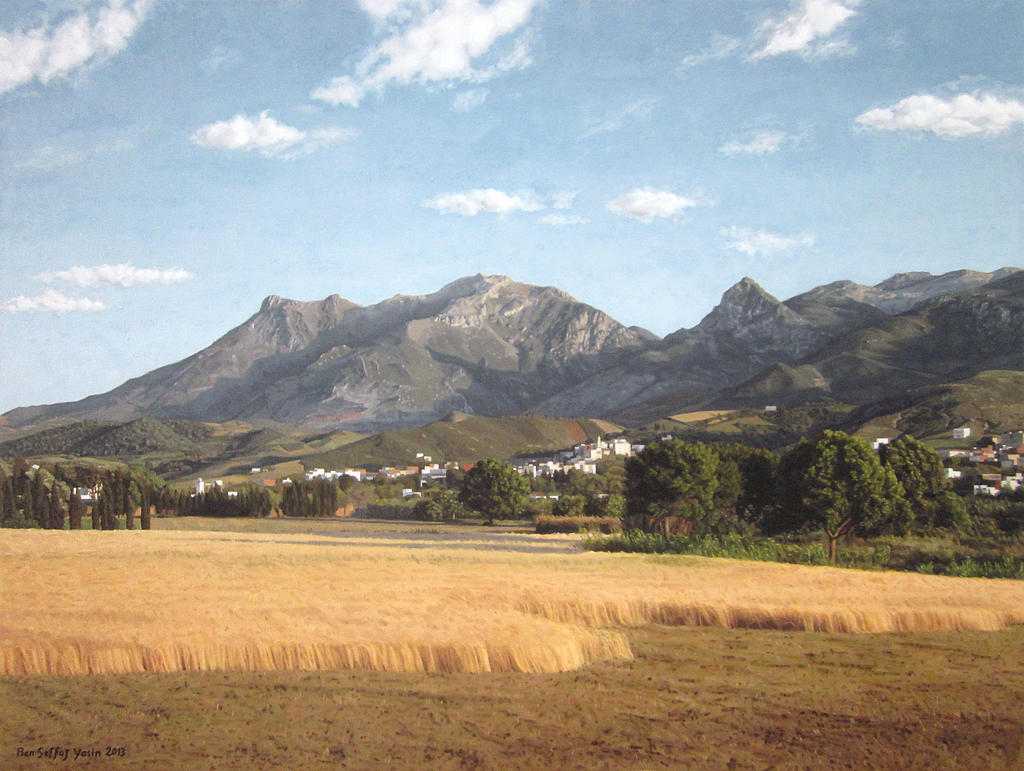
(121, 440)
(753, 427)
(990, 402)
(466, 439)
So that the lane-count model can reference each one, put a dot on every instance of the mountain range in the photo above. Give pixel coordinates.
(487, 345)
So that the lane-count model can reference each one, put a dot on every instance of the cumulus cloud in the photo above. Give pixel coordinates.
(124, 274)
(465, 101)
(639, 110)
(267, 136)
(50, 301)
(646, 203)
(720, 47)
(962, 115)
(765, 143)
(762, 242)
(433, 41)
(55, 50)
(472, 202)
(798, 30)
(561, 219)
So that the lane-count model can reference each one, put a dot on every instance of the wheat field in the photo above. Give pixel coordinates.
(164, 601)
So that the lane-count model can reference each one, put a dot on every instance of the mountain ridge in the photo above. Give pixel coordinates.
(489, 345)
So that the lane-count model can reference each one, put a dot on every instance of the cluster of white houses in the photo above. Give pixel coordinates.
(1005, 451)
(581, 457)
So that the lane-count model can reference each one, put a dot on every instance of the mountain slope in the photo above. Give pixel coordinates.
(466, 438)
(488, 345)
(482, 344)
(942, 340)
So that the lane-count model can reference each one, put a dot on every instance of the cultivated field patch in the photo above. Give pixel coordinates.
(152, 601)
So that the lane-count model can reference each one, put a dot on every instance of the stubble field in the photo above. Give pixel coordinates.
(467, 648)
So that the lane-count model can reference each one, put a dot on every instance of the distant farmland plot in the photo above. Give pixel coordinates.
(102, 602)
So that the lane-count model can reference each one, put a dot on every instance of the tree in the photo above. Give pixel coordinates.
(9, 514)
(758, 470)
(76, 510)
(675, 482)
(613, 505)
(919, 469)
(57, 512)
(569, 505)
(495, 489)
(145, 520)
(443, 507)
(845, 488)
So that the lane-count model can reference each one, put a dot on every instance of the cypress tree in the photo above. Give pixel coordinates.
(28, 504)
(40, 501)
(144, 513)
(19, 475)
(8, 506)
(75, 510)
(57, 513)
(127, 506)
(110, 514)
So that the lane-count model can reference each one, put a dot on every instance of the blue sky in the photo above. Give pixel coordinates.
(168, 163)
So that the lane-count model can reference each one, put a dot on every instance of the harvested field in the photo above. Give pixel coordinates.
(122, 602)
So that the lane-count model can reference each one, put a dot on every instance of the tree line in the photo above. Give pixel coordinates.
(31, 496)
(836, 484)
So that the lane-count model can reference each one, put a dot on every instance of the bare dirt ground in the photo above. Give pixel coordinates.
(692, 698)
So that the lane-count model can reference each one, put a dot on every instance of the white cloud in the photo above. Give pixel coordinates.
(433, 41)
(123, 274)
(564, 200)
(720, 47)
(762, 242)
(265, 135)
(762, 144)
(962, 115)
(222, 57)
(472, 202)
(808, 21)
(51, 157)
(639, 110)
(51, 301)
(47, 52)
(646, 203)
(765, 143)
(465, 101)
(561, 219)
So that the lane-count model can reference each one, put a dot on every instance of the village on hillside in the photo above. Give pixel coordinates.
(1002, 454)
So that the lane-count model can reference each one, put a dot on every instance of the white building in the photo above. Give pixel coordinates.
(962, 433)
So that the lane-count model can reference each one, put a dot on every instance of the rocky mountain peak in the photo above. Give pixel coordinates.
(744, 303)
(270, 302)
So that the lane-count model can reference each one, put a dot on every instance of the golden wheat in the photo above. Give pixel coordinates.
(93, 602)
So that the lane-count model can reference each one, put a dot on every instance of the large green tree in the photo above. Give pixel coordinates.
(758, 470)
(919, 469)
(846, 489)
(495, 489)
(676, 481)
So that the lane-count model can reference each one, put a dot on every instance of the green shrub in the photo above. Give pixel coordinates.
(398, 509)
(551, 524)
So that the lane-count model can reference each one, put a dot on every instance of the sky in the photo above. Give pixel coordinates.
(166, 164)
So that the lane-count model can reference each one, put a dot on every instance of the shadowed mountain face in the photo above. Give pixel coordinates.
(488, 345)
